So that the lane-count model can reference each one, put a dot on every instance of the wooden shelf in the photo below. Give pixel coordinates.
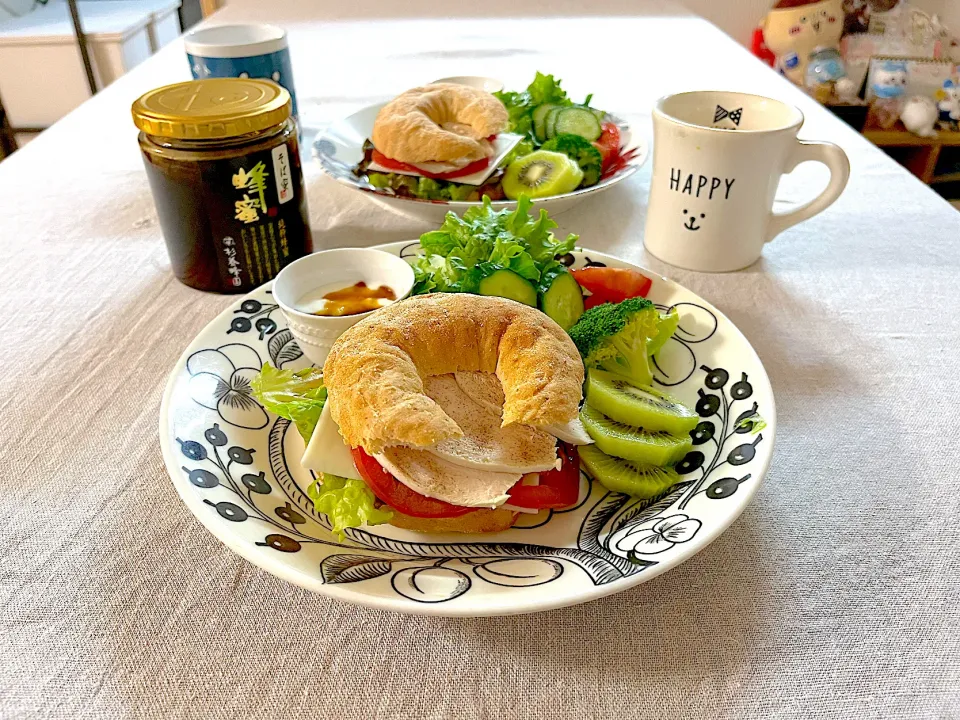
(917, 154)
(945, 178)
(905, 138)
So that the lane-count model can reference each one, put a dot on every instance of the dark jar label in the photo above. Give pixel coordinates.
(231, 224)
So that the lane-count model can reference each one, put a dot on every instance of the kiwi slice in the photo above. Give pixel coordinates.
(633, 443)
(638, 405)
(541, 174)
(623, 476)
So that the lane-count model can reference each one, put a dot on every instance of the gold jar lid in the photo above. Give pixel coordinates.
(212, 108)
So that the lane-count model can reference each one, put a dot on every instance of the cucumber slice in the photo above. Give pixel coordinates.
(638, 405)
(633, 443)
(540, 121)
(551, 121)
(623, 476)
(507, 284)
(578, 121)
(561, 298)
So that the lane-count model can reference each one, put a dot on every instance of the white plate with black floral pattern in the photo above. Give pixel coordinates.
(339, 149)
(238, 470)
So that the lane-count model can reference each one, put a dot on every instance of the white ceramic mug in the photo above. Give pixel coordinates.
(717, 160)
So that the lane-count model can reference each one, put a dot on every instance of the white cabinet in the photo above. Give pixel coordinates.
(164, 24)
(41, 71)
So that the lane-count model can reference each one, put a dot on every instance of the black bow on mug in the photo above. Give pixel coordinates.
(734, 115)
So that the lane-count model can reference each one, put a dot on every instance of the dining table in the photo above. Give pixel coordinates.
(836, 594)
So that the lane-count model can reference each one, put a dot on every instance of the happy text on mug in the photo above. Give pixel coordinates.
(695, 183)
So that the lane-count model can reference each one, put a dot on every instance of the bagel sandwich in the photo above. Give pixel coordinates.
(446, 404)
(441, 131)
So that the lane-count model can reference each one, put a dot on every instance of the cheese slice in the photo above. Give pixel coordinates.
(501, 146)
(430, 475)
(327, 452)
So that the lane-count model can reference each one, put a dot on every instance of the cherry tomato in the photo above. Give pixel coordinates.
(391, 164)
(613, 284)
(397, 495)
(608, 144)
(557, 488)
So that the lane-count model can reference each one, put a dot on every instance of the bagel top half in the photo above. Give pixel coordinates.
(374, 372)
(439, 123)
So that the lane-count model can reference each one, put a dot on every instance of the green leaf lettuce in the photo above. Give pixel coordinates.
(297, 395)
(347, 503)
(465, 250)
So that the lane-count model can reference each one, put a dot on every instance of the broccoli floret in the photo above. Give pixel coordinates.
(614, 337)
(582, 152)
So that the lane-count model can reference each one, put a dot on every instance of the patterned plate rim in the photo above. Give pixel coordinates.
(402, 605)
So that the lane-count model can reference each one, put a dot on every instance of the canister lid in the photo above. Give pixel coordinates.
(212, 108)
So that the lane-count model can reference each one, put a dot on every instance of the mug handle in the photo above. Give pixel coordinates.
(836, 160)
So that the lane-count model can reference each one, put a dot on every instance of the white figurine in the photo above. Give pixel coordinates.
(846, 90)
(919, 115)
(949, 105)
(889, 79)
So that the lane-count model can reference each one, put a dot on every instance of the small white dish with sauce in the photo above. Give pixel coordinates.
(300, 287)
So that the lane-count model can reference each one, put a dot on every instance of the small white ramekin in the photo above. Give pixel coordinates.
(315, 334)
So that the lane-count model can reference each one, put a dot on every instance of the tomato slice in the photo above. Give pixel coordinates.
(557, 488)
(391, 164)
(613, 284)
(591, 301)
(397, 495)
(608, 144)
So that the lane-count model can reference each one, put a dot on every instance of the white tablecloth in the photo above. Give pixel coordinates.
(836, 595)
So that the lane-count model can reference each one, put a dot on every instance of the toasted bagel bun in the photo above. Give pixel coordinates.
(478, 521)
(439, 123)
(374, 371)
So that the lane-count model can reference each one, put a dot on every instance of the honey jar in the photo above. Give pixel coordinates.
(223, 164)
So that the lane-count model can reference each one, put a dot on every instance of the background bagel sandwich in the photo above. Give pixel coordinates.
(441, 131)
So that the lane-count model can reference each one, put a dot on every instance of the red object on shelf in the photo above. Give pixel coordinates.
(759, 48)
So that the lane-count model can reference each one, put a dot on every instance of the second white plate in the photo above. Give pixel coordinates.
(339, 149)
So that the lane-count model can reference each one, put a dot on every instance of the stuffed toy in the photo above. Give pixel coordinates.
(949, 103)
(794, 29)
